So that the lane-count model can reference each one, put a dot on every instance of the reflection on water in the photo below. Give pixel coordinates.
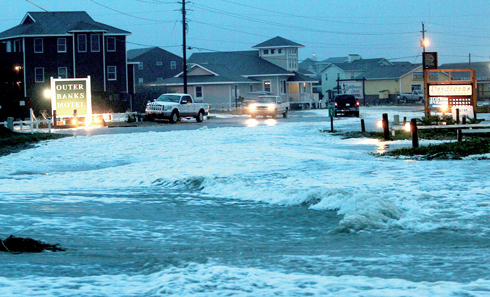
(382, 147)
(252, 123)
(270, 122)
(255, 123)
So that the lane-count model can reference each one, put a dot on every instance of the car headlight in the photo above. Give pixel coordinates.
(252, 107)
(167, 107)
(270, 107)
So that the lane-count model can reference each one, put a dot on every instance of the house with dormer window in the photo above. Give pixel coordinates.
(68, 45)
(223, 78)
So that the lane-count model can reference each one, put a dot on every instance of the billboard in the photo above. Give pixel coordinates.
(353, 87)
(70, 94)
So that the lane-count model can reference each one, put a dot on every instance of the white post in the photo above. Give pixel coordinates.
(31, 116)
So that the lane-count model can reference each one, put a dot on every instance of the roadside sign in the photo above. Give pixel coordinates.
(68, 95)
(331, 110)
(464, 111)
(438, 102)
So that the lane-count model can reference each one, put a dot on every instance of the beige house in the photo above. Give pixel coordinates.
(223, 78)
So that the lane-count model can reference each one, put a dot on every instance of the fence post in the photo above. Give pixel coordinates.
(415, 134)
(457, 116)
(386, 126)
(10, 124)
(363, 126)
(460, 135)
(54, 118)
(32, 120)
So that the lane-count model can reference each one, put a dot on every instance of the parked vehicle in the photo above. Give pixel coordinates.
(268, 106)
(415, 96)
(346, 105)
(173, 107)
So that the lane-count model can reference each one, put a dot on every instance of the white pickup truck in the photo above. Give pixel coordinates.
(268, 106)
(176, 106)
(415, 96)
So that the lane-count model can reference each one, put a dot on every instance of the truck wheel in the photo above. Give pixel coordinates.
(200, 116)
(174, 118)
(285, 114)
(404, 99)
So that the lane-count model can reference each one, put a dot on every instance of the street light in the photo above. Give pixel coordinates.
(424, 42)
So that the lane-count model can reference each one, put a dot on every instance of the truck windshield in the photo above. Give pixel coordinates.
(263, 99)
(168, 98)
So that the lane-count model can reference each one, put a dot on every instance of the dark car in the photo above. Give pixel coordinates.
(346, 105)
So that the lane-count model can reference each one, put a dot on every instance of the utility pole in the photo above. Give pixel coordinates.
(184, 45)
(424, 42)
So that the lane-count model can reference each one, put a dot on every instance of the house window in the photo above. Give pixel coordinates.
(266, 52)
(95, 42)
(199, 92)
(140, 66)
(279, 51)
(273, 52)
(38, 45)
(62, 72)
(39, 74)
(326, 77)
(251, 88)
(111, 72)
(82, 43)
(111, 44)
(141, 81)
(9, 46)
(267, 85)
(61, 45)
(159, 63)
(416, 87)
(283, 87)
(173, 65)
(18, 46)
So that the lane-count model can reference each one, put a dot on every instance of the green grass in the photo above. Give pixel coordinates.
(474, 145)
(449, 150)
(12, 142)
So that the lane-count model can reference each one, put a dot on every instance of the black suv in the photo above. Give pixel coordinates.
(346, 105)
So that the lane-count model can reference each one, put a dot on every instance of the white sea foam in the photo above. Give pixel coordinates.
(287, 164)
(209, 280)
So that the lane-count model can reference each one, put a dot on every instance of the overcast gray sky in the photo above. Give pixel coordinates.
(373, 29)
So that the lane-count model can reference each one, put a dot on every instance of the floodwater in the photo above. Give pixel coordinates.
(267, 210)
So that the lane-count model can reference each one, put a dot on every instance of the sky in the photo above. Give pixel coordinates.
(458, 31)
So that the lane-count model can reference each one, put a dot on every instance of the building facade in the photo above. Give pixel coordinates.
(222, 79)
(68, 45)
(154, 64)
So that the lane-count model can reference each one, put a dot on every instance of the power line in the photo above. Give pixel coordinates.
(36, 5)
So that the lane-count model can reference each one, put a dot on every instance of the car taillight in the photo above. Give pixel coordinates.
(336, 104)
(357, 103)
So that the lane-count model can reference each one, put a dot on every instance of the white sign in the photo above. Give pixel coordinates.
(70, 96)
(463, 111)
(353, 88)
(438, 102)
(450, 90)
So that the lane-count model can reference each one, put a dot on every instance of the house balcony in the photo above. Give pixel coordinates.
(303, 100)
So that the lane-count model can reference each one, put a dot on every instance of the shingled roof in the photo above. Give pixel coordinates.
(278, 42)
(58, 23)
(396, 70)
